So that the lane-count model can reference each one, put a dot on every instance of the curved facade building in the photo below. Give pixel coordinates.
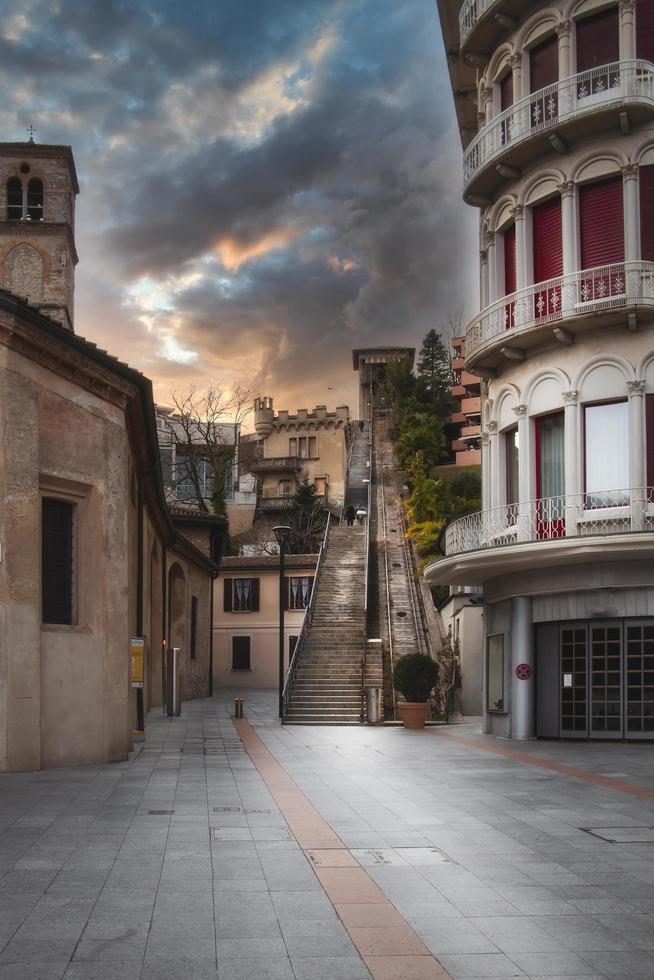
(556, 108)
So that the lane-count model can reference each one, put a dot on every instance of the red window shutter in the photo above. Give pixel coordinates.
(544, 64)
(649, 431)
(548, 240)
(598, 39)
(254, 595)
(509, 261)
(601, 223)
(645, 29)
(646, 180)
(227, 595)
(506, 91)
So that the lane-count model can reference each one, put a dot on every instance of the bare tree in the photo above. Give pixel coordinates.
(204, 428)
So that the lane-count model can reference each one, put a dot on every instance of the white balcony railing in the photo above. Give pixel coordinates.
(470, 13)
(590, 91)
(606, 287)
(573, 515)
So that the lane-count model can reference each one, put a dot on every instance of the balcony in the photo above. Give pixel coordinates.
(276, 464)
(552, 518)
(458, 417)
(285, 502)
(470, 432)
(571, 109)
(458, 363)
(482, 23)
(555, 310)
(468, 457)
(471, 406)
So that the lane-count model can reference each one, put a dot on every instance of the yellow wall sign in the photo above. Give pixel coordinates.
(137, 656)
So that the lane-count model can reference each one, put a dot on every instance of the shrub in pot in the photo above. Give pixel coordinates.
(414, 677)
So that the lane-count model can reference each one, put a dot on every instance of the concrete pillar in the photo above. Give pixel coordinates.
(483, 279)
(485, 472)
(492, 269)
(569, 242)
(573, 503)
(523, 684)
(493, 448)
(627, 10)
(516, 68)
(564, 32)
(487, 103)
(518, 213)
(631, 213)
(525, 516)
(637, 475)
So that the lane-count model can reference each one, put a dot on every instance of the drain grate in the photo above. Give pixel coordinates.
(160, 813)
(622, 835)
(226, 809)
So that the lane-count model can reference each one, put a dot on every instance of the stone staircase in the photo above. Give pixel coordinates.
(327, 684)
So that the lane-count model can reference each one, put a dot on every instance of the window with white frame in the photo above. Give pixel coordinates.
(298, 591)
(606, 432)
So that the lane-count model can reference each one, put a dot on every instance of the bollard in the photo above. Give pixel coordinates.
(238, 707)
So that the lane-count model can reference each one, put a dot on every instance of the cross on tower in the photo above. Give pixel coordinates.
(30, 132)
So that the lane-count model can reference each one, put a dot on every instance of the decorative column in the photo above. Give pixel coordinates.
(627, 29)
(491, 249)
(487, 103)
(518, 213)
(637, 475)
(631, 213)
(564, 34)
(493, 449)
(571, 466)
(569, 241)
(523, 685)
(485, 472)
(483, 278)
(525, 518)
(516, 69)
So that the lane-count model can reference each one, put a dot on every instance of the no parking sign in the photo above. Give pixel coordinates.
(523, 672)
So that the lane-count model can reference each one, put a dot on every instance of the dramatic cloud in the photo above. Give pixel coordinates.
(265, 185)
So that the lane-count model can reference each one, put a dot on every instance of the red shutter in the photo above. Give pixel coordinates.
(645, 29)
(254, 593)
(510, 279)
(649, 435)
(601, 223)
(544, 64)
(548, 241)
(227, 595)
(646, 180)
(506, 91)
(598, 39)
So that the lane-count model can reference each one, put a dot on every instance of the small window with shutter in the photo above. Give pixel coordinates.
(241, 595)
(298, 591)
(241, 653)
(57, 527)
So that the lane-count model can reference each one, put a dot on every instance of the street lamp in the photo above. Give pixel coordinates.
(282, 533)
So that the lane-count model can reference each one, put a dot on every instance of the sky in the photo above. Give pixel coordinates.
(265, 184)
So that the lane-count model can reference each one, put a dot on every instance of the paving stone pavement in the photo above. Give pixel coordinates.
(485, 857)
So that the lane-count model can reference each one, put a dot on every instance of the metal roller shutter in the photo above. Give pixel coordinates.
(645, 29)
(646, 180)
(602, 223)
(598, 39)
(548, 256)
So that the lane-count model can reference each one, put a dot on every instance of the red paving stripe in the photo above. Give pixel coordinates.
(560, 767)
(386, 942)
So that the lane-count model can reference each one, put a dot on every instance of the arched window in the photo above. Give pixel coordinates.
(14, 199)
(35, 199)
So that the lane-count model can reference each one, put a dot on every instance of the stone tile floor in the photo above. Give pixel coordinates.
(484, 856)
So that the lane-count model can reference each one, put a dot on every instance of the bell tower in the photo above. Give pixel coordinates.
(38, 185)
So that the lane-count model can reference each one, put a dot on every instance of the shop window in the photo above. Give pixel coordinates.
(298, 591)
(241, 653)
(194, 626)
(241, 595)
(606, 432)
(57, 527)
(495, 700)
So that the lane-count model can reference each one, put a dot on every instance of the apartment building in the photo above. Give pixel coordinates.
(467, 412)
(556, 111)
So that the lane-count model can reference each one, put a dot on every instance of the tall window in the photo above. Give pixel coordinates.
(495, 673)
(506, 101)
(548, 255)
(598, 43)
(292, 446)
(607, 453)
(184, 476)
(57, 561)
(194, 625)
(544, 73)
(601, 231)
(512, 471)
(645, 29)
(14, 199)
(649, 435)
(510, 278)
(646, 182)
(241, 595)
(241, 653)
(298, 591)
(35, 199)
(550, 476)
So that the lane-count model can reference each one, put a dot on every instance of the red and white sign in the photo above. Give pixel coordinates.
(523, 672)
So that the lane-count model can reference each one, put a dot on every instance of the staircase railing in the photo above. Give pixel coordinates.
(347, 473)
(306, 622)
(366, 567)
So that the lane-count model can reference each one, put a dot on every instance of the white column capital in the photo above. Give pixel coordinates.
(566, 188)
(636, 389)
(518, 212)
(564, 28)
(520, 411)
(570, 397)
(630, 171)
(485, 439)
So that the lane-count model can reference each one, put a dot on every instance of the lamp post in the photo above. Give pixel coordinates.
(282, 533)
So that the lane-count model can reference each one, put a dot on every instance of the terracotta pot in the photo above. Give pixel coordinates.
(414, 714)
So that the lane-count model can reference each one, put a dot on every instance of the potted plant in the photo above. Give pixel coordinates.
(414, 677)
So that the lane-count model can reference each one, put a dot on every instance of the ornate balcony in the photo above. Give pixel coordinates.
(483, 22)
(276, 464)
(282, 503)
(573, 108)
(552, 518)
(556, 309)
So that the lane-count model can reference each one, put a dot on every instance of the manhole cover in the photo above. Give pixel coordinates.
(160, 813)
(622, 835)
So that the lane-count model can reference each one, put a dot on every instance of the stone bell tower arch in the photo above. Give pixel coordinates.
(38, 185)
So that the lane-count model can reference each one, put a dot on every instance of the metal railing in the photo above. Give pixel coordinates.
(622, 82)
(471, 12)
(306, 622)
(606, 287)
(348, 463)
(366, 570)
(549, 518)
(285, 502)
(275, 463)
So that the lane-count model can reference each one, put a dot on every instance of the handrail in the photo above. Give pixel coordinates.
(366, 569)
(347, 475)
(308, 617)
(388, 591)
(605, 287)
(577, 95)
(623, 511)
